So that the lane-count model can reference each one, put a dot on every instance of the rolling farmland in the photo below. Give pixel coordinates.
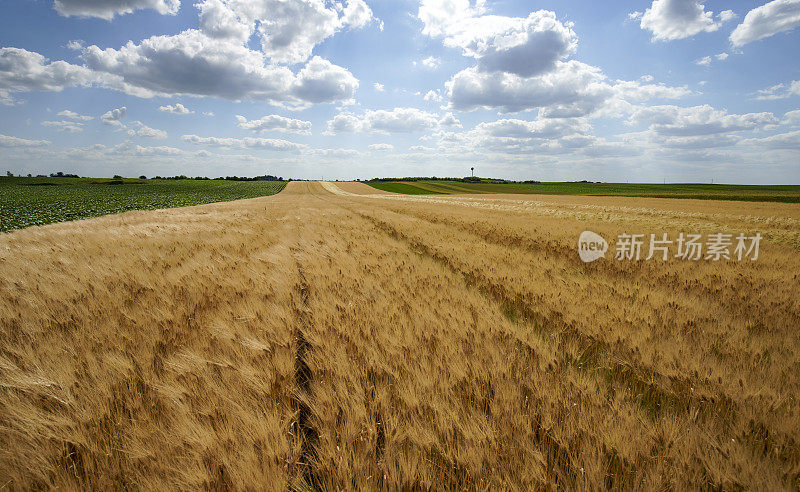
(337, 336)
(752, 193)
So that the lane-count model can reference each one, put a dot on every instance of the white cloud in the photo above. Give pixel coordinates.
(767, 20)
(382, 147)
(247, 142)
(516, 136)
(449, 121)
(572, 89)
(433, 96)
(344, 123)
(8, 141)
(791, 118)
(779, 91)
(706, 60)
(398, 120)
(438, 15)
(432, 62)
(321, 81)
(335, 153)
(75, 45)
(521, 64)
(168, 65)
(107, 9)
(571, 84)
(379, 87)
(65, 126)
(789, 141)
(669, 20)
(145, 131)
(522, 46)
(25, 71)
(726, 15)
(287, 29)
(178, 108)
(275, 123)
(74, 116)
(674, 121)
(133, 150)
(112, 117)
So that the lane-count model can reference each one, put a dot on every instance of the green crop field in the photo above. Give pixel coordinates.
(404, 188)
(759, 193)
(36, 201)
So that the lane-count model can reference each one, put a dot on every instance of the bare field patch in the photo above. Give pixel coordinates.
(325, 338)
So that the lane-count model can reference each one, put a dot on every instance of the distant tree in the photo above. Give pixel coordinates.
(142, 177)
(9, 174)
(29, 175)
(116, 176)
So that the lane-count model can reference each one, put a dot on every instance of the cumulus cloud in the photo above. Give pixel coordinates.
(669, 20)
(275, 122)
(449, 121)
(438, 15)
(674, 121)
(142, 130)
(573, 88)
(767, 20)
(171, 65)
(107, 9)
(178, 108)
(432, 62)
(288, 30)
(522, 64)
(433, 96)
(791, 118)
(523, 46)
(398, 120)
(245, 143)
(379, 87)
(321, 81)
(168, 65)
(516, 136)
(65, 126)
(113, 117)
(25, 71)
(8, 141)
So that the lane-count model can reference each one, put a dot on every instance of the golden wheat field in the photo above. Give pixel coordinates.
(336, 337)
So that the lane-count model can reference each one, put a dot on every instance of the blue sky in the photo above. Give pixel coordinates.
(675, 90)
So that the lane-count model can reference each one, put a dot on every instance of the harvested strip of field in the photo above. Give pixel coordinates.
(327, 339)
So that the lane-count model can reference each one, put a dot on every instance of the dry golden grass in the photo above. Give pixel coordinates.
(329, 339)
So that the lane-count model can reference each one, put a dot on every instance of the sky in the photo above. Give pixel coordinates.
(623, 91)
